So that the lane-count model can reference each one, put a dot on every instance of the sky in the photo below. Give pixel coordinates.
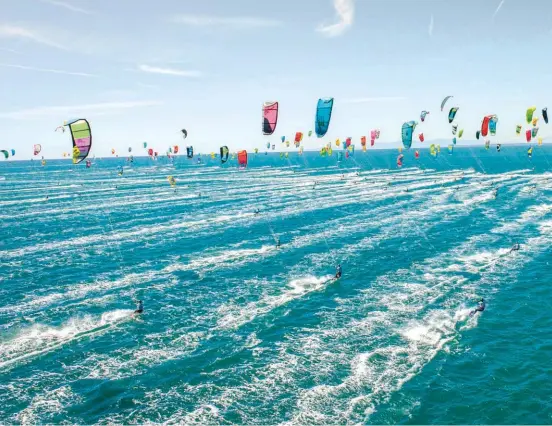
(140, 71)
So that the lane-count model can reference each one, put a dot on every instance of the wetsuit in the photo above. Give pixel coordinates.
(139, 307)
(338, 271)
(480, 308)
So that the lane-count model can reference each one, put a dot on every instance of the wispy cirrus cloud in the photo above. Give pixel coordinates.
(47, 70)
(99, 108)
(497, 9)
(241, 22)
(345, 10)
(15, 52)
(169, 71)
(14, 31)
(374, 99)
(430, 28)
(67, 6)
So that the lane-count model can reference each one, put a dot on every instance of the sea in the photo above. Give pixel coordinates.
(237, 331)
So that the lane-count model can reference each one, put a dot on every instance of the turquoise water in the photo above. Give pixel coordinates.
(235, 331)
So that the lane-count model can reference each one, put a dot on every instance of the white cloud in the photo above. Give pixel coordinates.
(15, 52)
(217, 21)
(345, 10)
(169, 71)
(12, 31)
(430, 29)
(67, 6)
(100, 108)
(374, 99)
(24, 67)
(497, 9)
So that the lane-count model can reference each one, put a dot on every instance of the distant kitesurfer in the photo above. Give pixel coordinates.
(338, 272)
(139, 307)
(515, 247)
(256, 212)
(480, 307)
(277, 243)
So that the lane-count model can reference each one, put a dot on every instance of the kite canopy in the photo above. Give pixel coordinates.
(37, 149)
(298, 137)
(184, 133)
(6, 153)
(518, 129)
(452, 114)
(533, 133)
(270, 117)
(454, 129)
(323, 116)
(175, 149)
(363, 140)
(492, 125)
(224, 151)
(407, 131)
(145, 145)
(190, 151)
(529, 114)
(82, 139)
(242, 158)
(13, 152)
(545, 115)
(445, 101)
(150, 152)
(485, 124)
(528, 135)
(477, 134)
(400, 160)
(423, 115)
(530, 152)
(421, 137)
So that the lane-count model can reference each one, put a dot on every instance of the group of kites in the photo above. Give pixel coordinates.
(81, 135)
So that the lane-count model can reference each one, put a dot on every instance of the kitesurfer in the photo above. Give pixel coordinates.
(256, 212)
(338, 272)
(515, 247)
(480, 307)
(277, 243)
(139, 307)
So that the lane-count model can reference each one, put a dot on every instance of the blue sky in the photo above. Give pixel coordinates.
(142, 70)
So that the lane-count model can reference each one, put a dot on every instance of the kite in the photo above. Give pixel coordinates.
(37, 149)
(407, 131)
(82, 139)
(323, 116)
(452, 114)
(444, 102)
(529, 114)
(545, 115)
(400, 160)
(423, 115)
(242, 158)
(184, 133)
(270, 117)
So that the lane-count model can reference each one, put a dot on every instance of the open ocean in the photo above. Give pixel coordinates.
(236, 331)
